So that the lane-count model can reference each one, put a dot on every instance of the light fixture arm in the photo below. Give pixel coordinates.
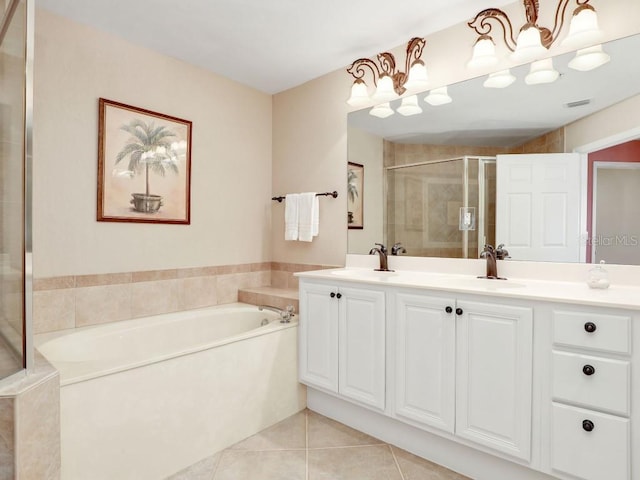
(560, 16)
(482, 25)
(358, 71)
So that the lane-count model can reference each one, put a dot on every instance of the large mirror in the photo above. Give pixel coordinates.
(449, 180)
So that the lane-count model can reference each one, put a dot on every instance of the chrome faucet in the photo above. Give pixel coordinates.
(381, 250)
(397, 249)
(285, 314)
(492, 255)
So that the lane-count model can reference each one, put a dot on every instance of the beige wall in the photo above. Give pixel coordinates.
(310, 122)
(231, 157)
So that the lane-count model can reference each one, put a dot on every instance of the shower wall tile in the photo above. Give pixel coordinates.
(153, 275)
(227, 288)
(102, 279)
(198, 292)
(53, 283)
(102, 304)
(53, 310)
(38, 431)
(153, 298)
(7, 450)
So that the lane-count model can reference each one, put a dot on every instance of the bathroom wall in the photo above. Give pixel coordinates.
(309, 124)
(231, 157)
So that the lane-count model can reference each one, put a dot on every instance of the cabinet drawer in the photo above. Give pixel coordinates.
(600, 453)
(592, 381)
(607, 333)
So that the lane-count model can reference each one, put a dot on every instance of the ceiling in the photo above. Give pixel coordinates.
(270, 45)
(509, 117)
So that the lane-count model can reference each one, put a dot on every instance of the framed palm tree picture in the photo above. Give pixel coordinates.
(355, 195)
(144, 165)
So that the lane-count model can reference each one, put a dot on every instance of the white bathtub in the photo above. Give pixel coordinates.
(144, 398)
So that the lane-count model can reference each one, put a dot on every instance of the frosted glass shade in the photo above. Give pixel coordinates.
(359, 94)
(418, 79)
(409, 106)
(484, 53)
(529, 45)
(385, 91)
(589, 59)
(438, 96)
(541, 72)
(383, 110)
(583, 29)
(501, 79)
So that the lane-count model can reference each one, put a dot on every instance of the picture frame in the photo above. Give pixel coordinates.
(144, 165)
(355, 195)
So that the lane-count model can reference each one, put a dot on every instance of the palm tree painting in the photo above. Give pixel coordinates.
(355, 184)
(148, 157)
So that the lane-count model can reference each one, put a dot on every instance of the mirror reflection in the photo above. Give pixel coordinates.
(445, 182)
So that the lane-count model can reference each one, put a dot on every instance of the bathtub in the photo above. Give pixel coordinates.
(145, 398)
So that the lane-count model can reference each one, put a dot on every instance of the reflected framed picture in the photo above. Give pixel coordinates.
(355, 195)
(144, 165)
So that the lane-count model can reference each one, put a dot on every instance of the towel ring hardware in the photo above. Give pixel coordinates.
(333, 194)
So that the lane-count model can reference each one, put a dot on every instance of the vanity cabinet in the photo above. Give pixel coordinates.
(342, 341)
(465, 367)
(591, 395)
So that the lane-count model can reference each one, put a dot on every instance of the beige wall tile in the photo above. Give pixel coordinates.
(7, 452)
(196, 292)
(153, 275)
(38, 431)
(102, 304)
(53, 310)
(198, 272)
(152, 298)
(103, 279)
(227, 288)
(279, 279)
(53, 283)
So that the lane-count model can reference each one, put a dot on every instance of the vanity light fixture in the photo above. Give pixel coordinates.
(390, 82)
(533, 41)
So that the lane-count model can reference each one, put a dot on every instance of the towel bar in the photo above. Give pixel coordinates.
(333, 194)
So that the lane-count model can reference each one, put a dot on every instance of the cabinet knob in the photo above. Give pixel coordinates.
(588, 370)
(339, 296)
(332, 295)
(588, 425)
(459, 311)
(590, 327)
(448, 309)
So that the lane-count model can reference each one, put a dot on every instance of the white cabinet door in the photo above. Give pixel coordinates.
(494, 376)
(318, 336)
(362, 346)
(537, 196)
(425, 360)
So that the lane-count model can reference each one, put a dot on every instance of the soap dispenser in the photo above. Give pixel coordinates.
(598, 277)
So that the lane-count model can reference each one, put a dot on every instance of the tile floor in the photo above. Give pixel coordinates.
(309, 446)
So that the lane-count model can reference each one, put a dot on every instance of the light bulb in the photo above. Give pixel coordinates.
(385, 91)
(589, 59)
(484, 53)
(382, 110)
(409, 106)
(418, 79)
(438, 96)
(542, 71)
(359, 94)
(529, 45)
(501, 79)
(583, 29)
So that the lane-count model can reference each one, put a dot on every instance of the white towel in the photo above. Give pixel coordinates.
(291, 207)
(308, 216)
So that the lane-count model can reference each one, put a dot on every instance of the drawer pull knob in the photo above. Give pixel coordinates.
(332, 295)
(588, 370)
(339, 295)
(459, 311)
(590, 327)
(448, 309)
(588, 425)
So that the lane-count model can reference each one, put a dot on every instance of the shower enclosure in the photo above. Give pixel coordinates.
(15, 172)
(442, 208)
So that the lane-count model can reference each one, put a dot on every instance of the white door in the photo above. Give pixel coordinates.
(318, 336)
(362, 346)
(494, 376)
(425, 360)
(538, 205)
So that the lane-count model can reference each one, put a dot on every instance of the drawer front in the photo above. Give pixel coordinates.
(602, 453)
(596, 382)
(607, 333)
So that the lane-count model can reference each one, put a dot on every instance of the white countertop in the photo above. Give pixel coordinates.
(516, 288)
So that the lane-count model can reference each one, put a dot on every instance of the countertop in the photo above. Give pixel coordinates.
(516, 288)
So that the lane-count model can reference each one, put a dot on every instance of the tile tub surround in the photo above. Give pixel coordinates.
(309, 446)
(77, 301)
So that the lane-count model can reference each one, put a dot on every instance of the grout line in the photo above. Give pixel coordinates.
(349, 446)
(393, 454)
(218, 461)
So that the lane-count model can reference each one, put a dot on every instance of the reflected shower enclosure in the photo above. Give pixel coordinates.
(442, 208)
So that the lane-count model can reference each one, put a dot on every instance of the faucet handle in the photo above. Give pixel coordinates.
(383, 249)
(398, 248)
(501, 252)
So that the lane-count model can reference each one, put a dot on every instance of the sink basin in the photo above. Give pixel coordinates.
(362, 273)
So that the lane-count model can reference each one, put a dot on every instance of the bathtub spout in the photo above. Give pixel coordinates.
(285, 314)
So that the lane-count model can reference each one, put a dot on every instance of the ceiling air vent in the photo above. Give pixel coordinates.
(579, 103)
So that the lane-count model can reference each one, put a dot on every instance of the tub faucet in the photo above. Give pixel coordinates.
(381, 250)
(398, 249)
(492, 255)
(285, 314)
